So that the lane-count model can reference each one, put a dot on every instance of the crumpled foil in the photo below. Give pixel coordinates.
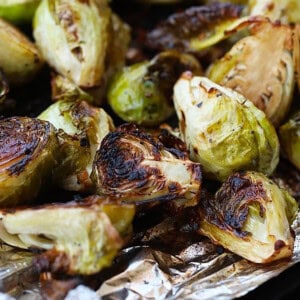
(199, 271)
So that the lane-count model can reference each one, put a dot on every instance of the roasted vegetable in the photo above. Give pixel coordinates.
(84, 127)
(136, 167)
(28, 153)
(20, 60)
(289, 135)
(4, 89)
(265, 57)
(223, 130)
(142, 93)
(18, 11)
(286, 11)
(73, 38)
(251, 216)
(80, 238)
(197, 27)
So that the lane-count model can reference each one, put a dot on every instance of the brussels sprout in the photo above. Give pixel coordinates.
(265, 57)
(28, 153)
(80, 238)
(73, 38)
(198, 27)
(83, 128)
(287, 11)
(289, 135)
(20, 60)
(251, 216)
(4, 89)
(136, 167)
(142, 93)
(18, 11)
(224, 131)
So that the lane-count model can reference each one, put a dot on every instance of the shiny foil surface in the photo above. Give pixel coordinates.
(199, 271)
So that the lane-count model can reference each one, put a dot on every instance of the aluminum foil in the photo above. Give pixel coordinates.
(199, 271)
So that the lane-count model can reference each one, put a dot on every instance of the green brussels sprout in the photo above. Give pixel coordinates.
(20, 60)
(135, 166)
(265, 57)
(18, 11)
(28, 153)
(142, 93)
(251, 216)
(224, 131)
(287, 11)
(83, 127)
(4, 89)
(79, 238)
(289, 136)
(73, 38)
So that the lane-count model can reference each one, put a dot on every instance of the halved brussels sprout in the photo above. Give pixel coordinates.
(18, 11)
(20, 60)
(286, 11)
(136, 167)
(83, 128)
(289, 135)
(73, 38)
(142, 93)
(223, 130)
(28, 153)
(261, 67)
(80, 238)
(251, 216)
(4, 89)
(197, 27)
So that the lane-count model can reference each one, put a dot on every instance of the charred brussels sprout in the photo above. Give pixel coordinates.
(136, 167)
(83, 127)
(20, 60)
(251, 216)
(142, 93)
(197, 27)
(73, 38)
(289, 135)
(28, 153)
(80, 238)
(265, 57)
(18, 11)
(224, 131)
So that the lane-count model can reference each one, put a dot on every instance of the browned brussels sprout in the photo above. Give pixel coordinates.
(28, 153)
(251, 216)
(137, 167)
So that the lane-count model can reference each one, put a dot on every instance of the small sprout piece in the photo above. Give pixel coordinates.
(264, 57)
(197, 27)
(20, 60)
(224, 131)
(251, 216)
(28, 149)
(289, 135)
(80, 238)
(4, 89)
(83, 127)
(18, 11)
(137, 167)
(286, 11)
(142, 93)
(73, 38)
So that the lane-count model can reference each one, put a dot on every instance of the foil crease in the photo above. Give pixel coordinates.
(198, 271)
